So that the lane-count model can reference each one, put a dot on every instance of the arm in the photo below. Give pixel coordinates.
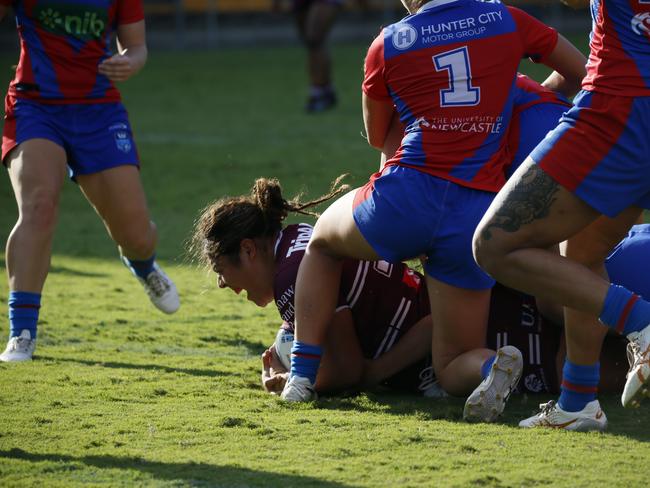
(392, 141)
(377, 116)
(341, 365)
(412, 347)
(131, 52)
(569, 65)
(274, 375)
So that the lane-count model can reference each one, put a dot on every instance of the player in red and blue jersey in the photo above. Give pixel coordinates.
(447, 70)
(63, 111)
(586, 182)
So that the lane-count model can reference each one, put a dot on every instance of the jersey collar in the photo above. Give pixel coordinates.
(434, 4)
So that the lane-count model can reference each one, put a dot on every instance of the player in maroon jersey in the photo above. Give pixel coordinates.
(381, 331)
(63, 113)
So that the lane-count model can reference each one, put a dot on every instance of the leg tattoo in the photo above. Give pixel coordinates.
(529, 200)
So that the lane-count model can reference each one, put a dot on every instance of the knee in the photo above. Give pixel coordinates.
(314, 42)
(137, 241)
(487, 250)
(38, 212)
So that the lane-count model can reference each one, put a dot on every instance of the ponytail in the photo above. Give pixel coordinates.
(223, 224)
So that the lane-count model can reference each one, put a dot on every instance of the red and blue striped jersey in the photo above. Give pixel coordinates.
(529, 92)
(619, 58)
(450, 70)
(61, 45)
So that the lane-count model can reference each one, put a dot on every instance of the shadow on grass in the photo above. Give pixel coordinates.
(190, 472)
(630, 423)
(75, 272)
(151, 367)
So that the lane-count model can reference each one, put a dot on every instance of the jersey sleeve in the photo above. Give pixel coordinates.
(374, 84)
(129, 11)
(538, 39)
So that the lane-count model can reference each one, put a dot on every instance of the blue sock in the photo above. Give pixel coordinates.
(487, 366)
(624, 311)
(305, 360)
(579, 385)
(141, 268)
(23, 312)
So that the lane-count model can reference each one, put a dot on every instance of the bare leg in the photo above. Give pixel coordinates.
(529, 215)
(318, 23)
(342, 364)
(37, 169)
(335, 236)
(459, 329)
(590, 247)
(119, 199)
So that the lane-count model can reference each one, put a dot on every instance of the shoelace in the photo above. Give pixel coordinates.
(18, 343)
(157, 284)
(633, 353)
(547, 408)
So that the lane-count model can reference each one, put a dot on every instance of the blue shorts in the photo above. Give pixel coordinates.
(628, 264)
(95, 137)
(600, 151)
(528, 128)
(404, 213)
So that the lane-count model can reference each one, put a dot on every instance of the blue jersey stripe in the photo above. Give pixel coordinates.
(470, 166)
(41, 65)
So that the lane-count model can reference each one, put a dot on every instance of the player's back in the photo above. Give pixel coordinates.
(619, 59)
(449, 69)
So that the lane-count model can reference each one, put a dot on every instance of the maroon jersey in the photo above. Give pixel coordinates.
(385, 299)
(515, 320)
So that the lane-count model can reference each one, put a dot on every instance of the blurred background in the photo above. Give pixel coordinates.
(206, 24)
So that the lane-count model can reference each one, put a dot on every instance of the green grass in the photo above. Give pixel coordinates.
(121, 395)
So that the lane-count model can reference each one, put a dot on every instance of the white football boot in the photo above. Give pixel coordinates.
(19, 348)
(637, 384)
(159, 287)
(488, 400)
(552, 416)
(298, 389)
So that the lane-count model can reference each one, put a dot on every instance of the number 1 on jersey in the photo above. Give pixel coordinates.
(460, 93)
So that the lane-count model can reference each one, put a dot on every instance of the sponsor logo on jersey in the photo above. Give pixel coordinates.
(641, 23)
(301, 241)
(411, 278)
(81, 21)
(404, 36)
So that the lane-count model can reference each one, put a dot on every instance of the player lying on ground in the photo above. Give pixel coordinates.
(381, 331)
(402, 362)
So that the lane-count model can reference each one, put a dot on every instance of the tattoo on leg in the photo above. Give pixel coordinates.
(529, 200)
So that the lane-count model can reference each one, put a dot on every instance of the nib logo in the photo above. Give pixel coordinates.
(82, 22)
(641, 23)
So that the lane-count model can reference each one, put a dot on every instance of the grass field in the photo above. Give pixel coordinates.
(121, 395)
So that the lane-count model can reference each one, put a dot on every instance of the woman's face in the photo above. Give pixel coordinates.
(253, 274)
